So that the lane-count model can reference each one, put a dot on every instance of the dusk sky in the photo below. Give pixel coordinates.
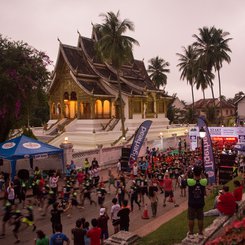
(161, 27)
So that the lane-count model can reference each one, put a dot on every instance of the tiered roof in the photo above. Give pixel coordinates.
(94, 75)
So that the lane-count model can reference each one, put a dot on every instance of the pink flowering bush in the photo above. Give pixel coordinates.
(234, 234)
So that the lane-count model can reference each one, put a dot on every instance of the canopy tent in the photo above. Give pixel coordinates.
(24, 147)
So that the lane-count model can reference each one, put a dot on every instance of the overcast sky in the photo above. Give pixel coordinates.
(161, 27)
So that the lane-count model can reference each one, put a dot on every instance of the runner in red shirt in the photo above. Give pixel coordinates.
(168, 190)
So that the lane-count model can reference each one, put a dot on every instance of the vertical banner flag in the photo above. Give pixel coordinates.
(207, 151)
(139, 139)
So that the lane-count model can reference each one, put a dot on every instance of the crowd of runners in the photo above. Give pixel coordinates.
(153, 177)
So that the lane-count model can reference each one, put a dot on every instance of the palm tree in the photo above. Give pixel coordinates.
(187, 66)
(212, 49)
(203, 79)
(157, 70)
(115, 48)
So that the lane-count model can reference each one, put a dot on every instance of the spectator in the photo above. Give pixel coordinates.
(94, 233)
(103, 224)
(196, 191)
(95, 163)
(58, 238)
(72, 165)
(86, 165)
(226, 204)
(124, 216)
(78, 233)
(153, 198)
(238, 191)
(42, 239)
(114, 211)
(86, 229)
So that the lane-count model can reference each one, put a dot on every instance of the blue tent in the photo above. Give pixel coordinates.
(25, 147)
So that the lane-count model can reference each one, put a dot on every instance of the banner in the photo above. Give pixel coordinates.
(193, 138)
(208, 157)
(139, 139)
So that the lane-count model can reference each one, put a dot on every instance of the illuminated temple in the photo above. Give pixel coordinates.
(84, 104)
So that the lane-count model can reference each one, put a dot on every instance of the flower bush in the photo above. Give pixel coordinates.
(234, 234)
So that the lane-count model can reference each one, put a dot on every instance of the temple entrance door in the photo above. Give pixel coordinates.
(73, 108)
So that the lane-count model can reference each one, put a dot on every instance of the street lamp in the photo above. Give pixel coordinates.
(202, 135)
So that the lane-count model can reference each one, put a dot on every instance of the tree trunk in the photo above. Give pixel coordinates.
(192, 93)
(220, 102)
(203, 94)
(212, 90)
(121, 104)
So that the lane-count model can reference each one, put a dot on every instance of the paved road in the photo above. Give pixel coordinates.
(89, 212)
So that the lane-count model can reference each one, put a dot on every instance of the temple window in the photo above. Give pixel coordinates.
(106, 108)
(66, 96)
(73, 95)
(98, 109)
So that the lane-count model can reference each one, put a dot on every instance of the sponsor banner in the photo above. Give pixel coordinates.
(41, 156)
(139, 139)
(193, 133)
(221, 131)
(208, 157)
(241, 139)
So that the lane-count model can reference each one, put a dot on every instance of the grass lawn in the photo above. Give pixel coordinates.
(174, 231)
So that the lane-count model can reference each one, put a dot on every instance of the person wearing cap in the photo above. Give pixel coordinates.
(103, 224)
(196, 191)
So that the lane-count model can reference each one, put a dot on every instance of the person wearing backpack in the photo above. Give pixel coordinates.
(196, 203)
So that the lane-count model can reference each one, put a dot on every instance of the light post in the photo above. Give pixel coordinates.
(161, 137)
(202, 135)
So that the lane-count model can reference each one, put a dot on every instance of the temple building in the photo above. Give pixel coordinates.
(84, 97)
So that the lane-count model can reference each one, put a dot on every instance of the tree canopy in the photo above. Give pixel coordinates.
(157, 70)
(23, 81)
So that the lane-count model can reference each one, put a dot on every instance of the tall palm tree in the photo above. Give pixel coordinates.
(157, 70)
(115, 48)
(212, 49)
(187, 66)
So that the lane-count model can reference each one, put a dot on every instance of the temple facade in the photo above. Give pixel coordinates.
(84, 93)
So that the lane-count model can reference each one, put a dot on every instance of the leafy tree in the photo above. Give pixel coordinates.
(212, 48)
(190, 116)
(187, 66)
(211, 115)
(157, 70)
(23, 73)
(115, 48)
